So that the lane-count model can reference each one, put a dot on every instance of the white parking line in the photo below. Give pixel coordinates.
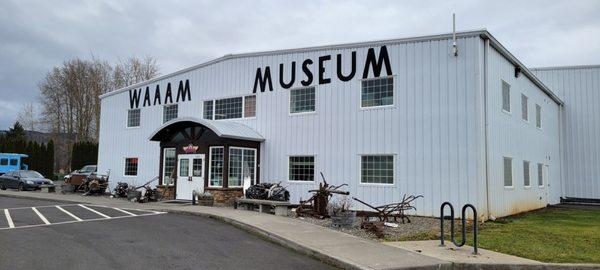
(92, 210)
(69, 213)
(9, 219)
(123, 211)
(42, 217)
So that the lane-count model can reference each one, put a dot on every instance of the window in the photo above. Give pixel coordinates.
(540, 171)
(170, 112)
(302, 100)
(508, 181)
(249, 106)
(242, 165)
(3, 162)
(169, 161)
(133, 118)
(524, 111)
(208, 109)
(131, 166)
(197, 170)
(526, 178)
(505, 96)
(216, 166)
(538, 116)
(302, 168)
(377, 169)
(184, 167)
(377, 92)
(14, 162)
(228, 108)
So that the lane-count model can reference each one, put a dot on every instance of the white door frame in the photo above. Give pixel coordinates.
(190, 180)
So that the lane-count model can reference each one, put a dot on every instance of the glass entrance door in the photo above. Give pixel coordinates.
(190, 175)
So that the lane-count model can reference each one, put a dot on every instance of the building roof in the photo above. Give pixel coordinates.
(224, 129)
(483, 33)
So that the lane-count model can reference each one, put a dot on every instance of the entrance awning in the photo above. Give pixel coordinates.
(224, 129)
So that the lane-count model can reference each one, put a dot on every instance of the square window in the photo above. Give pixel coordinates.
(377, 169)
(302, 168)
(228, 108)
(170, 112)
(377, 92)
(133, 118)
(131, 166)
(241, 165)
(302, 100)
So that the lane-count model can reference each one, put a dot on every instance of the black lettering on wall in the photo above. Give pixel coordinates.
(322, 79)
(340, 75)
(168, 95)
(307, 72)
(147, 97)
(134, 98)
(383, 59)
(182, 92)
(263, 80)
(157, 95)
(293, 78)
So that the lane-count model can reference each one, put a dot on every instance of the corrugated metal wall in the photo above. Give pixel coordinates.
(579, 87)
(511, 136)
(433, 129)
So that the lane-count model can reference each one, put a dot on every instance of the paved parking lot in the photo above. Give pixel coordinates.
(50, 235)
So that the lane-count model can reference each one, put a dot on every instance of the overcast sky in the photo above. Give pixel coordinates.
(38, 35)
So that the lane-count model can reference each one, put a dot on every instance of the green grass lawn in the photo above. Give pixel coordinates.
(549, 235)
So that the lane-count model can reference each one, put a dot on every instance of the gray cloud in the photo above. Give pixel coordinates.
(38, 35)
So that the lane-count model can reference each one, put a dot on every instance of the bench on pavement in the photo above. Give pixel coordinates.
(264, 206)
(48, 188)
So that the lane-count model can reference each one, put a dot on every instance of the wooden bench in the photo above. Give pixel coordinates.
(264, 206)
(48, 188)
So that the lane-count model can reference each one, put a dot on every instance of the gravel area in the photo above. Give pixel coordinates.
(420, 228)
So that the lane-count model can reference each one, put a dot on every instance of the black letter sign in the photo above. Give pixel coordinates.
(134, 98)
(339, 68)
(306, 70)
(377, 65)
(322, 60)
(292, 80)
(263, 80)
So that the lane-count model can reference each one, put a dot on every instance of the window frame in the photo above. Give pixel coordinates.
(509, 111)
(223, 167)
(394, 95)
(169, 106)
(528, 178)
(139, 120)
(314, 111)
(229, 161)
(137, 168)
(212, 115)
(512, 174)
(244, 107)
(164, 164)
(314, 156)
(4, 162)
(540, 171)
(525, 113)
(214, 107)
(394, 176)
(538, 116)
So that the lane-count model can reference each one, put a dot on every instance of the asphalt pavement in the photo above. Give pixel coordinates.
(39, 234)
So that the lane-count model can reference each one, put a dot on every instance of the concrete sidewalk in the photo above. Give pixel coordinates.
(333, 247)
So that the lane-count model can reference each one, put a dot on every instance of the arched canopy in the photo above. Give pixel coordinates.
(223, 129)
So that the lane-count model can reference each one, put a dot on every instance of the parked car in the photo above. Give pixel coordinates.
(76, 178)
(24, 180)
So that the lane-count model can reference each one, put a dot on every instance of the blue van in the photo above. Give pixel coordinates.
(12, 162)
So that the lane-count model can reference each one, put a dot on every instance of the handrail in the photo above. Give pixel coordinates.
(464, 225)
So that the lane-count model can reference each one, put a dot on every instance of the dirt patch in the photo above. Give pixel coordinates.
(420, 228)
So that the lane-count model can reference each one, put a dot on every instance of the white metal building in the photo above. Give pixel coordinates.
(392, 117)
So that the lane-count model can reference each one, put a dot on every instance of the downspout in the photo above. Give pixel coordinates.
(486, 49)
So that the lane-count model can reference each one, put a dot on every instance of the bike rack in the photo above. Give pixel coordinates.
(464, 225)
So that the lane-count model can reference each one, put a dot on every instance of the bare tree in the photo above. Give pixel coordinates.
(28, 117)
(134, 70)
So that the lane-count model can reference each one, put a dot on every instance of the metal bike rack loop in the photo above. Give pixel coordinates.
(464, 225)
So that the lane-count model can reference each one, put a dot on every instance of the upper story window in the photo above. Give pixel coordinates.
(249, 106)
(377, 92)
(377, 169)
(538, 116)
(302, 100)
(230, 108)
(505, 96)
(133, 118)
(170, 112)
(524, 107)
